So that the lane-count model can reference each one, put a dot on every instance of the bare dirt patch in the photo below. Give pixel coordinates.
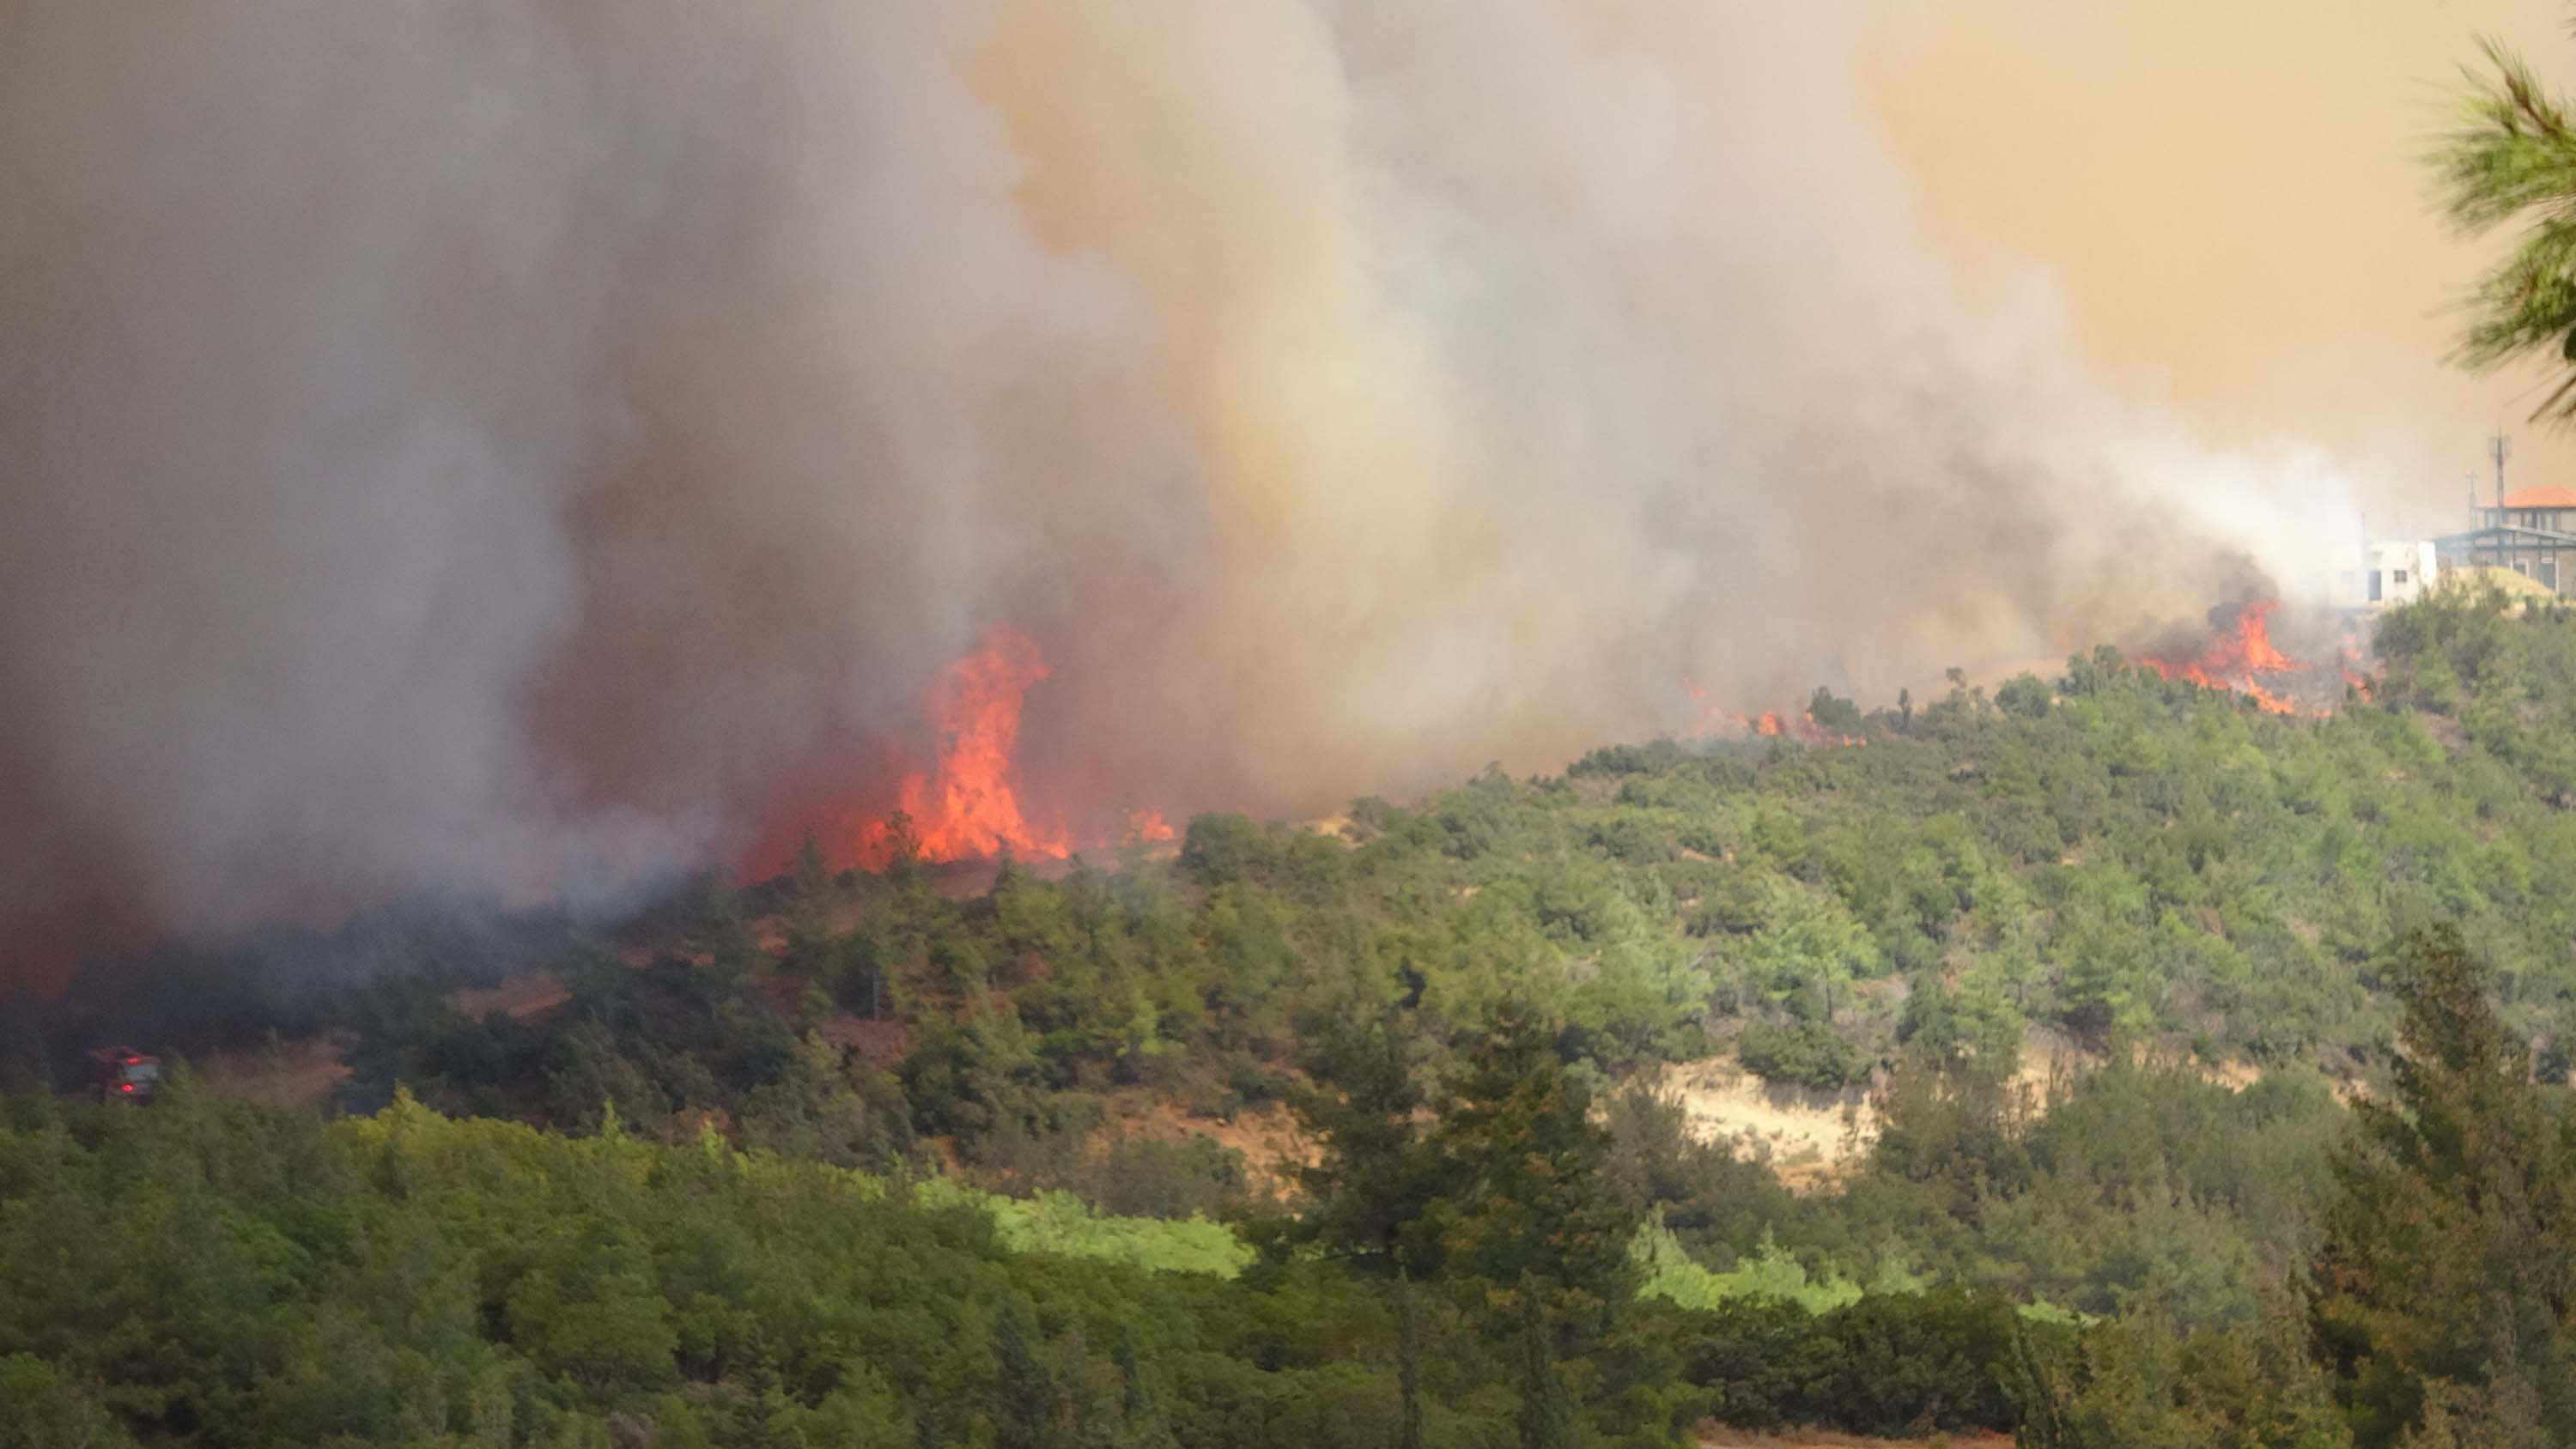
(1809, 1137)
(521, 998)
(1268, 1137)
(879, 1043)
(299, 1073)
(1803, 1134)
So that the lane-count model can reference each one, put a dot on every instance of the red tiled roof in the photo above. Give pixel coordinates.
(2541, 498)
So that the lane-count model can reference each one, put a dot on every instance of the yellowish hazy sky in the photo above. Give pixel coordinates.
(2229, 192)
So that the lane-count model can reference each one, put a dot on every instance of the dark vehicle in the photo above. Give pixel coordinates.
(124, 1074)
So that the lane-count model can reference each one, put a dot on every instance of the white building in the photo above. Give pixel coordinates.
(2392, 572)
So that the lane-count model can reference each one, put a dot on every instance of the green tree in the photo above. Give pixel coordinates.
(1808, 1053)
(810, 943)
(902, 853)
(2024, 694)
(1023, 1389)
(821, 1108)
(1528, 1210)
(2447, 1276)
(1835, 714)
(1408, 1363)
(720, 931)
(2514, 155)
(597, 1317)
(1805, 956)
(1372, 1181)
(39, 1410)
(2139, 1382)
(1218, 849)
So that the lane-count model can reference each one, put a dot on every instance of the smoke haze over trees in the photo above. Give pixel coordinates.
(520, 452)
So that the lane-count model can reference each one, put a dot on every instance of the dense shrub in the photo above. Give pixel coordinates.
(1802, 1053)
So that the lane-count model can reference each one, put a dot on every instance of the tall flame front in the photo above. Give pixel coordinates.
(968, 803)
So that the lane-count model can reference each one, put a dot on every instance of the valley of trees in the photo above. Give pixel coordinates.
(845, 1158)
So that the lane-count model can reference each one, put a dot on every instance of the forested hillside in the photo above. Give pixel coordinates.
(736, 1185)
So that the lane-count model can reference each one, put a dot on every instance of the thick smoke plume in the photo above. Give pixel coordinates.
(515, 449)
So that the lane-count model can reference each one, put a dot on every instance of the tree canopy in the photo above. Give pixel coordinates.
(2513, 157)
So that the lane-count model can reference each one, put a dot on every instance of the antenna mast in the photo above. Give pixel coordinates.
(2499, 447)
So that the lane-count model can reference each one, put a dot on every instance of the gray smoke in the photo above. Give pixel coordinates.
(491, 447)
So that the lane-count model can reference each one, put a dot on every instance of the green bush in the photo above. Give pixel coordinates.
(1802, 1053)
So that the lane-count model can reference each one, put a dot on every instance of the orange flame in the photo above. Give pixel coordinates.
(971, 804)
(1819, 736)
(2235, 659)
(968, 804)
(1770, 724)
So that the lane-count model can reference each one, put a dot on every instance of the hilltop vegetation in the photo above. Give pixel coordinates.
(2122, 862)
(2177, 887)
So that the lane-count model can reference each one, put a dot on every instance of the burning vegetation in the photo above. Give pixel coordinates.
(1825, 720)
(548, 524)
(968, 804)
(2239, 658)
(971, 803)
(2237, 653)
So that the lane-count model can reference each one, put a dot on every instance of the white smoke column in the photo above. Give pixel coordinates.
(488, 448)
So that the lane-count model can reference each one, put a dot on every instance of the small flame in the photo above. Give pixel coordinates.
(1149, 827)
(1819, 736)
(1770, 724)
